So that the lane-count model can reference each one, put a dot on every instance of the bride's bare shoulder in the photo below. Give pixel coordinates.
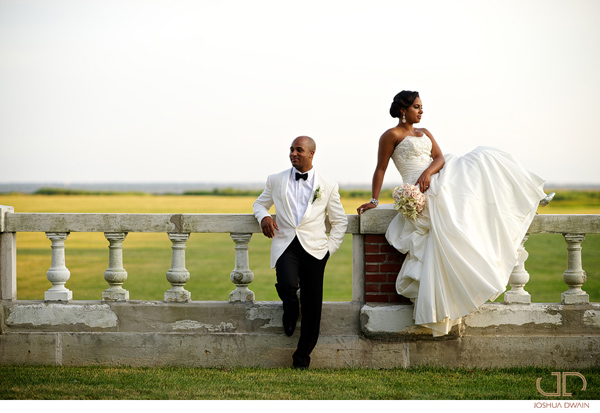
(424, 131)
(392, 136)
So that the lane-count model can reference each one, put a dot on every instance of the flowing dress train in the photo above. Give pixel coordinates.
(463, 248)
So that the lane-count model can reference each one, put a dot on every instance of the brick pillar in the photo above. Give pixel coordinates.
(382, 265)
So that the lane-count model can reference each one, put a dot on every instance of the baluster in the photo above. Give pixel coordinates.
(574, 276)
(178, 275)
(115, 275)
(518, 278)
(241, 276)
(58, 274)
(8, 258)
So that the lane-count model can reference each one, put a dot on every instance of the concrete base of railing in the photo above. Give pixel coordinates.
(216, 334)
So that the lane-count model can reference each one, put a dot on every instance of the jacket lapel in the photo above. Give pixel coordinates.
(284, 185)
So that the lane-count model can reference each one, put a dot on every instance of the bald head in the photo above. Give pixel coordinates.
(301, 153)
(307, 141)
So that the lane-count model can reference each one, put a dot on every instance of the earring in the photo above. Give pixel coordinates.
(404, 118)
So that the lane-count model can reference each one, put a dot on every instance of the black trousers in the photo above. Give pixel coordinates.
(295, 269)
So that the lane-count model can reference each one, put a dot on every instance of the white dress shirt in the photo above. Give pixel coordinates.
(299, 193)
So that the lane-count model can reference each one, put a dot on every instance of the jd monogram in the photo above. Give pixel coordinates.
(564, 384)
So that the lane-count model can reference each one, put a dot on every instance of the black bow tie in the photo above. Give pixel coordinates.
(301, 176)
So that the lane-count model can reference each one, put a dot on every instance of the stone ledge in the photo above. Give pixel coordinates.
(198, 317)
(215, 334)
(396, 321)
(52, 314)
(275, 350)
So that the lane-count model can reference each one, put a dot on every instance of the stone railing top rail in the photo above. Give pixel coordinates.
(376, 222)
(373, 221)
(170, 223)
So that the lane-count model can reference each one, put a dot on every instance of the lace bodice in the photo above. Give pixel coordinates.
(411, 156)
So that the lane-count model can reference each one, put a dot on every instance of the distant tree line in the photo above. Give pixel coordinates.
(65, 191)
(353, 193)
(224, 192)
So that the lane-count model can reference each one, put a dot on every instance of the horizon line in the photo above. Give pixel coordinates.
(213, 185)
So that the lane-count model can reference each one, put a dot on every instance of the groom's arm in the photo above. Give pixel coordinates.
(261, 210)
(337, 219)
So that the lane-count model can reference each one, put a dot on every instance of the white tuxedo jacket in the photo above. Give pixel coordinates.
(311, 230)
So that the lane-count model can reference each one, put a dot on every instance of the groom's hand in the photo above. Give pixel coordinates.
(268, 227)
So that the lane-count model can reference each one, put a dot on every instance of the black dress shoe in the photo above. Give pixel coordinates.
(291, 312)
(289, 325)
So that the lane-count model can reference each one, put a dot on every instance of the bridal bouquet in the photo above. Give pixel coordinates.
(410, 201)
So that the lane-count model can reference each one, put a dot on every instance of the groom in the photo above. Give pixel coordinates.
(300, 246)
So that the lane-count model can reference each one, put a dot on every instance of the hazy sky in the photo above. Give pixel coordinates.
(191, 91)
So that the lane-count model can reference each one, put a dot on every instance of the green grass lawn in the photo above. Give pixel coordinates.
(210, 257)
(181, 383)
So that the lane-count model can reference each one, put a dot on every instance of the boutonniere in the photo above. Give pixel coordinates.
(318, 193)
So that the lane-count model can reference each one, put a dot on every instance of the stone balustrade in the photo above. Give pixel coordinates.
(115, 227)
(375, 264)
(61, 330)
(383, 262)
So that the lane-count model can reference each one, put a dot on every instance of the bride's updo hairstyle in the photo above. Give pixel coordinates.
(404, 100)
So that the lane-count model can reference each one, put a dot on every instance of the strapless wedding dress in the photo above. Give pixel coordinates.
(462, 249)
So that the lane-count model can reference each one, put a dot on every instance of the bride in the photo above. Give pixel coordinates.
(463, 246)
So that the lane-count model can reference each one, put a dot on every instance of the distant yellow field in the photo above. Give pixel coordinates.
(159, 204)
(145, 204)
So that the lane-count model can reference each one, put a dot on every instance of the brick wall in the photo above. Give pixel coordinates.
(382, 264)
